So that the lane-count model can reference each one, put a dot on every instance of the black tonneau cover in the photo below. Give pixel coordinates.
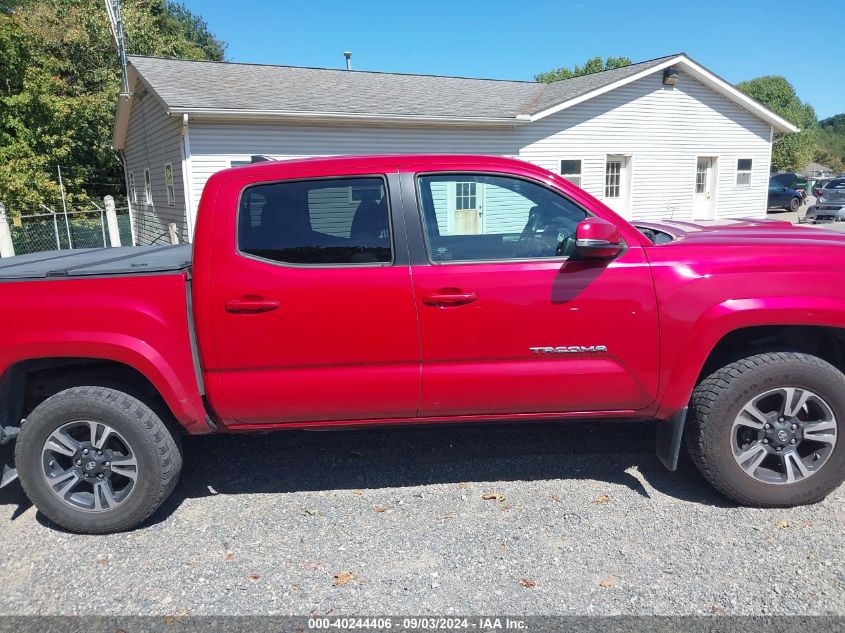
(97, 262)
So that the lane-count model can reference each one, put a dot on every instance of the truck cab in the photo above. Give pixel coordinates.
(391, 289)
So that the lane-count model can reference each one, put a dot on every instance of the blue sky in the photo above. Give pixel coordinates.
(516, 39)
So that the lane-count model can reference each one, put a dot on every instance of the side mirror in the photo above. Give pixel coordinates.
(597, 239)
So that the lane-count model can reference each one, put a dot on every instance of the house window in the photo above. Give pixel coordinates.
(466, 196)
(701, 176)
(363, 193)
(239, 163)
(571, 170)
(148, 188)
(613, 178)
(168, 183)
(743, 172)
(133, 193)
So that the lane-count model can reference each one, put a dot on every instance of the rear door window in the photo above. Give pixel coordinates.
(328, 222)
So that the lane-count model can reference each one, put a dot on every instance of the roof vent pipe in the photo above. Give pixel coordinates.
(348, 56)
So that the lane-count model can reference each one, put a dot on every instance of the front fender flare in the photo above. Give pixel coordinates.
(735, 314)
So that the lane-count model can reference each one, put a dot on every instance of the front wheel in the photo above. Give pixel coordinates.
(764, 430)
(96, 460)
(794, 204)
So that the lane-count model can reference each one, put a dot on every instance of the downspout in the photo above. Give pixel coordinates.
(190, 218)
(128, 197)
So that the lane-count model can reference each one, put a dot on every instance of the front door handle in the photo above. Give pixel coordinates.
(449, 297)
(251, 304)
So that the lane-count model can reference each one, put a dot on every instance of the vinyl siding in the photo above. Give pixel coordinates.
(154, 139)
(662, 129)
(214, 146)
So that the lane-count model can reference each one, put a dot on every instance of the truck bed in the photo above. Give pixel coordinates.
(97, 262)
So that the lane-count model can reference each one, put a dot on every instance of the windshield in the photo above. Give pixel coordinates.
(838, 183)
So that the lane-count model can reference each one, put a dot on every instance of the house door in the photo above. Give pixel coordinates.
(467, 209)
(704, 206)
(617, 184)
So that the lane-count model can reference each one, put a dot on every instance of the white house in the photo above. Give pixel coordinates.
(665, 138)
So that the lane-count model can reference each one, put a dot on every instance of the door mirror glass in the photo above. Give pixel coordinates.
(596, 238)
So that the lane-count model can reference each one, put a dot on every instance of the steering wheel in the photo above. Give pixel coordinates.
(528, 232)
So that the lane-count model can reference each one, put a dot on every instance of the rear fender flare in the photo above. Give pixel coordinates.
(183, 399)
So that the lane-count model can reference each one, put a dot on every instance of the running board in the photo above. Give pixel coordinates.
(668, 440)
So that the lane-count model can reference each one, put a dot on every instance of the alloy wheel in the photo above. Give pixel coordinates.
(784, 435)
(89, 466)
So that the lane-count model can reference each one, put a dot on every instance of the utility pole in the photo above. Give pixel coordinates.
(116, 28)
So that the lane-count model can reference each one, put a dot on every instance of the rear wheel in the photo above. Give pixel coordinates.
(96, 460)
(764, 430)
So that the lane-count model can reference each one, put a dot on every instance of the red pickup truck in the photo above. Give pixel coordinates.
(392, 290)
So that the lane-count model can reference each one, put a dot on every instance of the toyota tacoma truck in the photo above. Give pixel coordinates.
(386, 290)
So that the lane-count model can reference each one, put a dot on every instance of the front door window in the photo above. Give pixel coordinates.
(521, 219)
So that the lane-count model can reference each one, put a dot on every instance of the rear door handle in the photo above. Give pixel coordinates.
(449, 297)
(251, 304)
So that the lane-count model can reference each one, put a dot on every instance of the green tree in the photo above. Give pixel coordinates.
(794, 151)
(59, 81)
(830, 149)
(593, 65)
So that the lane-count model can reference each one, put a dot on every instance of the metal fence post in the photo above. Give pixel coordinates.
(111, 220)
(7, 247)
(56, 227)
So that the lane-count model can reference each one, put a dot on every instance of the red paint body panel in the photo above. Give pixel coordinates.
(139, 321)
(307, 347)
(484, 347)
(710, 283)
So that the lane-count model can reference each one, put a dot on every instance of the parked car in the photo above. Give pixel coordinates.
(830, 204)
(791, 180)
(782, 197)
(818, 185)
(375, 291)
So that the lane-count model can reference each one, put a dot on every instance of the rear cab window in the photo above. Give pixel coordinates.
(322, 222)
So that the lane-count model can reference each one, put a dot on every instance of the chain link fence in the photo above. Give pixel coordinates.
(66, 230)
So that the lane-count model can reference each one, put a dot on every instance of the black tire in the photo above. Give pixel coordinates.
(716, 403)
(794, 204)
(155, 448)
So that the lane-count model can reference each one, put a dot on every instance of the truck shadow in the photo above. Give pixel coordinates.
(620, 453)
(414, 456)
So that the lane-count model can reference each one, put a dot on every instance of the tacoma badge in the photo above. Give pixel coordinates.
(569, 349)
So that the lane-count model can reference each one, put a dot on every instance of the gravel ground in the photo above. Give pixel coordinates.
(394, 521)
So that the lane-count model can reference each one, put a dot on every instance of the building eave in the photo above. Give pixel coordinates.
(294, 115)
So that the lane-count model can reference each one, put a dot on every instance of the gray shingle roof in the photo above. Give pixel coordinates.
(566, 89)
(199, 85)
